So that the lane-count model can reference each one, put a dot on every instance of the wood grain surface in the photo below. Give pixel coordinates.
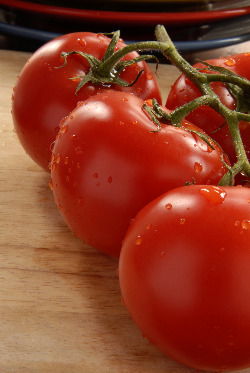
(60, 303)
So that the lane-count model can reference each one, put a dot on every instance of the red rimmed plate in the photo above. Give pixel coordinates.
(143, 18)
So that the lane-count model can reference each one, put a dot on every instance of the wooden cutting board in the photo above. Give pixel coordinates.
(60, 303)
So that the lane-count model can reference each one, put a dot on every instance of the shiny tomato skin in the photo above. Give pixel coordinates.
(184, 273)
(44, 94)
(183, 91)
(107, 164)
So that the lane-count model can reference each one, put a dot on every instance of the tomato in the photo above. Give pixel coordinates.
(184, 274)
(183, 91)
(43, 94)
(107, 164)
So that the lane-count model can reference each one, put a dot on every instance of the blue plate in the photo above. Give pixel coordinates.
(42, 37)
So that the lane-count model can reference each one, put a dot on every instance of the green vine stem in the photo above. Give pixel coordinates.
(109, 68)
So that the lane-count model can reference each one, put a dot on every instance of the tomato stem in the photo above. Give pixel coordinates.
(202, 80)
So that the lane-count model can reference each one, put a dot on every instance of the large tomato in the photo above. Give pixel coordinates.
(107, 164)
(184, 273)
(43, 94)
(183, 91)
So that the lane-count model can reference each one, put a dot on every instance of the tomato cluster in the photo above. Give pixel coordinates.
(133, 185)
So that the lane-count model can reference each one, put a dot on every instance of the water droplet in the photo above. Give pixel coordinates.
(245, 224)
(125, 99)
(95, 175)
(51, 184)
(230, 62)
(138, 240)
(162, 254)
(122, 302)
(135, 122)
(82, 42)
(110, 179)
(53, 166)
(139, 90)
(213, 194)
(74, 137)
(60, 207)
(64, 128)
(63, 120)
(66, 160)
(149, 226)
(149, 76)
(121, 123)
(237, 223)
(198, 167)
(168, 206)
(182, 221)
(58, 158)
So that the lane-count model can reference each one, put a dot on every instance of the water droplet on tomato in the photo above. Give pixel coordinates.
(149, 226)
(198, 167)
(64, 128)
(237, 223)
(139, 90)
(66, 160)
(168, 206)
(53, 166)
(51, 184)
(149, 76)
(135, 122)
(182, 221)
(82, 42)
(213, 194)
(58, 158)
(138, 240)
(230, 62)
(110, 179)
(122, 302)
(245, 224)
(95, 175)
(162, 254)
(121, 123)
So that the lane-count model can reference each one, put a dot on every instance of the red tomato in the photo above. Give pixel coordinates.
(184, 273)
(107, 164)
(209, 120)
(44, 95)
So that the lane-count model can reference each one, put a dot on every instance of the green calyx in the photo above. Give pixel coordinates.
(107, 70)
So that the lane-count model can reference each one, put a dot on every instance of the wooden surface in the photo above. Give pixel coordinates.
(60, 303)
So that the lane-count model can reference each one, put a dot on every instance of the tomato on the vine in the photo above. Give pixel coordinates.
(184, 273)
(183, 91)
(109, 161)
(45, 94)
